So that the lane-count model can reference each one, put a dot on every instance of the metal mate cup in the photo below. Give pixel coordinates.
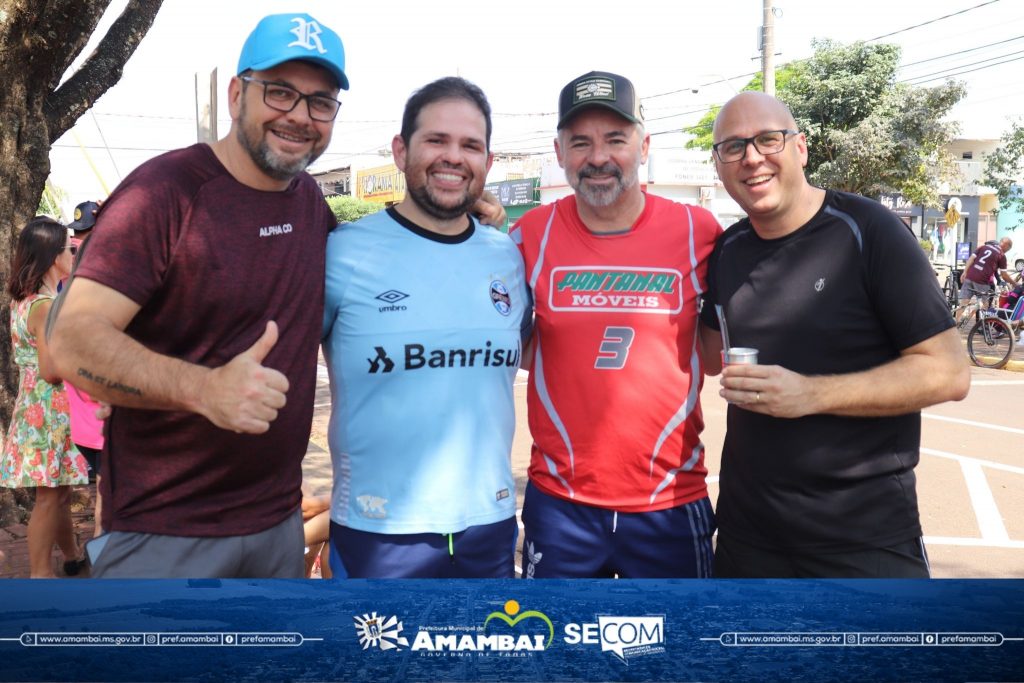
(739, 355)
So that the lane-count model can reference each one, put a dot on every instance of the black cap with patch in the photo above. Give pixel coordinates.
(85, 217)
(599, 89)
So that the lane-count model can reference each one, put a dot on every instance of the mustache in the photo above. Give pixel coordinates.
(300, 131)
(589, 171)
(447, 164)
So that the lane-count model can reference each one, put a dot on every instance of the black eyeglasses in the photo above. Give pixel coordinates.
(73, 248)
(766, 143)
(284, 98)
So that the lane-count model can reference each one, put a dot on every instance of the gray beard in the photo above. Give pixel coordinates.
(267, 161)
(602, 196)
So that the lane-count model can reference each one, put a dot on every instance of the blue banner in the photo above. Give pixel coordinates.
(678, 630)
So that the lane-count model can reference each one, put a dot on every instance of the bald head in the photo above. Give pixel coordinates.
(754, 105)
(1006, 244)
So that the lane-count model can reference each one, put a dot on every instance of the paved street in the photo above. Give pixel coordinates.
(970, 480)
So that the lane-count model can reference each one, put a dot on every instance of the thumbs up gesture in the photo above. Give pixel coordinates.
(243, 395)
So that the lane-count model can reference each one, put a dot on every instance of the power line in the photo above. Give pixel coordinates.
(930, 21)
(963, 66)
(953, 54)
(960, 73)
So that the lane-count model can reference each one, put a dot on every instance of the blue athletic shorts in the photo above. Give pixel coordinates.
(563, 539)
(480, 552)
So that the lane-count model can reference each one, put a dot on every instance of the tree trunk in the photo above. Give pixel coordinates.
(38, 42)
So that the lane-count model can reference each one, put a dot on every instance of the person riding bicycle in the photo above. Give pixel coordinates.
(978, 278)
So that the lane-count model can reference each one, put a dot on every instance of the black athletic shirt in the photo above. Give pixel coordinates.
(846, 292)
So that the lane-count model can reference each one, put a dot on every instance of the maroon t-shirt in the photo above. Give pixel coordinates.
(210, 261)
(987, 260)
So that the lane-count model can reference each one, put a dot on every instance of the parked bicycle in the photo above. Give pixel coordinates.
(951, 289)
(992, 339)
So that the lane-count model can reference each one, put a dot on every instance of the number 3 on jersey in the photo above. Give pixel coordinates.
(614, 348)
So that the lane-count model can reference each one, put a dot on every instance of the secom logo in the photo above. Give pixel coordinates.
(625, 637)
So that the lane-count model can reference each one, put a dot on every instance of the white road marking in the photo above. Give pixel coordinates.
(990, 522)
(972, 423)
(963, 458)
(973, 542)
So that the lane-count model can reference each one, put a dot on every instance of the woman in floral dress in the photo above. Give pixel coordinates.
(38, 450)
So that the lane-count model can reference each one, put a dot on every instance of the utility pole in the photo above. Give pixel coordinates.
(768, 49)
(206, 107)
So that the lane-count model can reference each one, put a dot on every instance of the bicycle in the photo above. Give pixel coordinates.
(951, 289)
(964, 313)
(990, 342)
(992, 339)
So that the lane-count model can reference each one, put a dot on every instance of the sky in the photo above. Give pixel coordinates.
(682, 56)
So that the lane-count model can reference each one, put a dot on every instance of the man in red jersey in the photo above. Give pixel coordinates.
(617, 476)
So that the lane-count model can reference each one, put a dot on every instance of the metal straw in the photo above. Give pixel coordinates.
(721, 324)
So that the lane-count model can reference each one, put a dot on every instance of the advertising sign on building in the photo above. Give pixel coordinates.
(515, 192)
(382, 184)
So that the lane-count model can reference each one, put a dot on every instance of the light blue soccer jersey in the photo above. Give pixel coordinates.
(422, 335)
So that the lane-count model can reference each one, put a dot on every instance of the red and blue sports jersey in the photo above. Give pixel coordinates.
(614, 391)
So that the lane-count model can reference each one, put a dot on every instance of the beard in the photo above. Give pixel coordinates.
(432, 206)
(272, 164)
(603, 195)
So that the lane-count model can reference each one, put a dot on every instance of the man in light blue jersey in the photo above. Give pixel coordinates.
(424, 324)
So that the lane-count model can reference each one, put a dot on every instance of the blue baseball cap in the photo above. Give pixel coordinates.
(280, 38)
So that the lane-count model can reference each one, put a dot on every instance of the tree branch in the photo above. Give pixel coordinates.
(102, 69)
(42, 39)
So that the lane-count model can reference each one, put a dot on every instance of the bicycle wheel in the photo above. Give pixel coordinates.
(952, 292)
(990, 343)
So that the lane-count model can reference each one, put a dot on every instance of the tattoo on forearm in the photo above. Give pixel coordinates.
(109, 383)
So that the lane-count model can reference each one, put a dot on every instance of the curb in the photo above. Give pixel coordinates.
(1014, 366)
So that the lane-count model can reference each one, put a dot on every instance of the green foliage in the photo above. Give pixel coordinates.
(702, 129)
(347, 209)
(927, 246)
(866, 133)
(1004, 169)
(51, 201)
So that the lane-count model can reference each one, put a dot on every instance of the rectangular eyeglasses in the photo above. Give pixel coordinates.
(766, 143)
(284, 98)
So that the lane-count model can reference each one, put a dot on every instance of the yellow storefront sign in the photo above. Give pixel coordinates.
(383, 184)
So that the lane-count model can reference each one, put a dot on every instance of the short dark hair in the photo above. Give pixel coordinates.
(448, 88)
(39, 244)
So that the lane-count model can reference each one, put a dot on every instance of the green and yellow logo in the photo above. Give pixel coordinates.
(512, 616)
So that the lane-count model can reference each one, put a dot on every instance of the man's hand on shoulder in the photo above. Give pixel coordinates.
(489, 210)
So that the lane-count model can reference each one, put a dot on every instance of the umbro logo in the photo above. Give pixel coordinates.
(391, 297)
(381, 357)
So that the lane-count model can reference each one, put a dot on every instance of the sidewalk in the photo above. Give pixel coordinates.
(14, 543)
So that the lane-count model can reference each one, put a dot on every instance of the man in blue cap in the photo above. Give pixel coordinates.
(201, 257)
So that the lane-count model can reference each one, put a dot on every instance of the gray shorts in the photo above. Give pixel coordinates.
(971, 288)
(276, 553)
